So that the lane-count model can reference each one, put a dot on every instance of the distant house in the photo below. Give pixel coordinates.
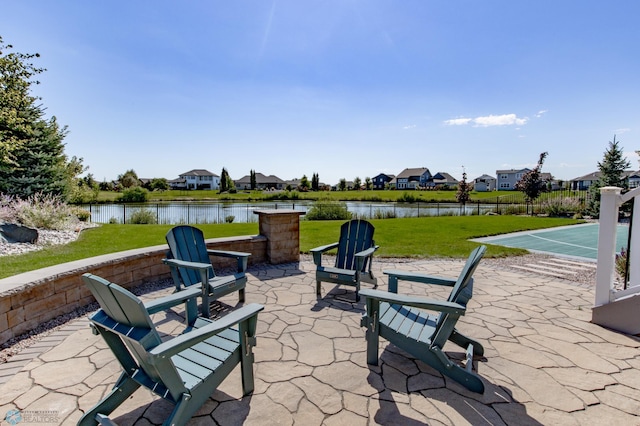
(634, 180)
(380, 181)
(263, 182)
(442, 180)
(484, 183)
(196, 179)
(584, 182)
(413, 178)
(507, 179)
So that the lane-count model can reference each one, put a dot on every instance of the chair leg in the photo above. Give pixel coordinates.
(123, 388)
(241, 295)
(464, 341)
(318, 287)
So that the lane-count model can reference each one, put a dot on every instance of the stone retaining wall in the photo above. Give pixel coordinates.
(29, 299)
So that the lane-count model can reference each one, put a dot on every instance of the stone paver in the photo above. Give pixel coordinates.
(544, 362)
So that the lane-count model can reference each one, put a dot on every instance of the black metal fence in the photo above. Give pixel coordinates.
(193, 212)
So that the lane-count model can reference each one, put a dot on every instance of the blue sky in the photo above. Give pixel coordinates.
(340, 88)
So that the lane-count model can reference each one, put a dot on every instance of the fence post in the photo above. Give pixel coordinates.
(609, 197)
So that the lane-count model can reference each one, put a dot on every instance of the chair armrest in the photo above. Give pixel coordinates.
(186, 264)
(317, 252)
(166, 302)
(419, 278)
(240, 256)
(368, 252)
(418, 302)
(187, 340)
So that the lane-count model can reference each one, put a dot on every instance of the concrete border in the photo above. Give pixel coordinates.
(32, 298)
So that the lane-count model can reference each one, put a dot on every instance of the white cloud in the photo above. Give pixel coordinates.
(412, 126)
(621, 131)
(541, 113)
(489, 121)
(499, 120)
(458, 121)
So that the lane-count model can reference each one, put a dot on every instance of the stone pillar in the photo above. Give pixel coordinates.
(282, 230)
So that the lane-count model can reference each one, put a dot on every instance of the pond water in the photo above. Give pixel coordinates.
(220, 212)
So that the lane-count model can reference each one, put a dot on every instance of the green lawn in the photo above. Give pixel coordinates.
(412, 237)
(372, 196)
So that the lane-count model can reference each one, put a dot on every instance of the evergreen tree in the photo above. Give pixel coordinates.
(342, 185)
(611, 170)
(224, 180)
(315, 182)
(252, 179)
(32, 158)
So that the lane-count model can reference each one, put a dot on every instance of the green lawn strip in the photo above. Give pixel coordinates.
(411, 237)
(446, 236)
(365, 196)
(109, 239)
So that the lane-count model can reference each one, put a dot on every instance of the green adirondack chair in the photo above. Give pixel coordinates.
(184, 370)
(188, 258)
(402, 320)
(353, 259)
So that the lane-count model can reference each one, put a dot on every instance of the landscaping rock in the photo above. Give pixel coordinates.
(13, 233)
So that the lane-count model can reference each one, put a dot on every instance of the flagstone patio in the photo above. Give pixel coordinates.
(544, 362)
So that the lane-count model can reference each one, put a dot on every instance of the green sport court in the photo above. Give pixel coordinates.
(579, 241)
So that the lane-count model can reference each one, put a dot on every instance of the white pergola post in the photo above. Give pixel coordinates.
(609, 206)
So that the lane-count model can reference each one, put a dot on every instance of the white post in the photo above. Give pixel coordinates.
(609, 203)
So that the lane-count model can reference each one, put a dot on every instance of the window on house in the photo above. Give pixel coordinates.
(504, 176)
(505, 185)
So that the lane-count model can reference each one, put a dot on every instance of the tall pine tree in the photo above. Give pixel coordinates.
(32, 158)
(611, 168)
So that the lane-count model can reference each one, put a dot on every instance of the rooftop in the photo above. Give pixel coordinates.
(544, 363)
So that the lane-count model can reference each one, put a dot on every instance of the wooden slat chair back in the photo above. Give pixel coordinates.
(184, 370)
(187, 243)
(405, 321)
(355, 250)
(190, 263)
(355, 236)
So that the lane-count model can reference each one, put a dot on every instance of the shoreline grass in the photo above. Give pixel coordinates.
(423, 237)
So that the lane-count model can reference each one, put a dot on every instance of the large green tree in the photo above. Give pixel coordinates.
(128, 179)
(32, 157)
(611, 168)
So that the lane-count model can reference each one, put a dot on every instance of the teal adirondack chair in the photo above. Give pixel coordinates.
(188, 259)
(353, 259)
(401, 320)
(184, 370)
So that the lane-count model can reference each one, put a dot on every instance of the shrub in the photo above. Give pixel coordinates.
(408, 198)
(328, 211)
(134, 194)
(383, 214)
(561, 206)
(230, 218)
(143, 217)
(82, 214)
(42, 212)
(621, 264)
